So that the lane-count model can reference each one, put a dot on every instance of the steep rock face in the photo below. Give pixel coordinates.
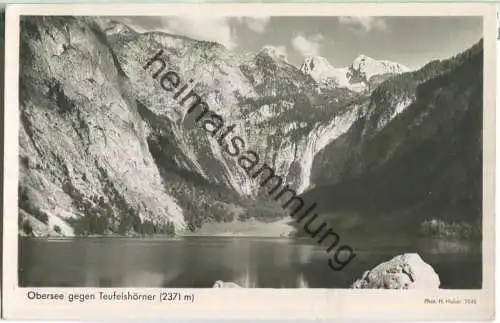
(417, 152)
(81, 139)
(275, 109)
(364, 74)
(105, 147)
(407, 271)
(101, 136)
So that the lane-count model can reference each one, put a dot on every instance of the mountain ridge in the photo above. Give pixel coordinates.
(131, 162)
(424, 164)
(356, 76)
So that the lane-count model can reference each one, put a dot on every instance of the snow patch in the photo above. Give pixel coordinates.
(324, 73)
(369, 67)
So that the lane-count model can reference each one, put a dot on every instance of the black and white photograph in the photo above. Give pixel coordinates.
(275, 161)
(251, 152)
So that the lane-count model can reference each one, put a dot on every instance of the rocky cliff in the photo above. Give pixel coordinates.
(105, 149)
(99, 136)
(416, 154)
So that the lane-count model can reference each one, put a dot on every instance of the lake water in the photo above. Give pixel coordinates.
(197, 262)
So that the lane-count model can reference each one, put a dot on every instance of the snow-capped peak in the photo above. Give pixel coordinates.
(316, 65)
(320, 69)
(368, 67)
(355, 77)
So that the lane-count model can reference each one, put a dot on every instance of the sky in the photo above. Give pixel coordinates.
(411, 41)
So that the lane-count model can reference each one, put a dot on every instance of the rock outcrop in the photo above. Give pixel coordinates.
(407, 271)
(130, 160)
(221, 284)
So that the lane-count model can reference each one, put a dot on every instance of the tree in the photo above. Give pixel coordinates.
(41, 216)
(170, 229)
(27, 228)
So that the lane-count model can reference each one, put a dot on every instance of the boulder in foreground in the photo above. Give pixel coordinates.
(407, 271)
(221, 284)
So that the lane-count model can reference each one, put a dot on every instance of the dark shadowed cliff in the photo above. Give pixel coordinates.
(104, 149)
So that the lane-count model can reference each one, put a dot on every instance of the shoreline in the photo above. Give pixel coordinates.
(252, 228)
(161, 237)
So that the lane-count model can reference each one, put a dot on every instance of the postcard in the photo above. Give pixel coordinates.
(249, 161)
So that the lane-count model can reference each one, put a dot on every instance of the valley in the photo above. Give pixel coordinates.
(104, 150)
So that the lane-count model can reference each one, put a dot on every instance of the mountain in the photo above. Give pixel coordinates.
(275, 52)
(416, 155)
(107, 148)
(363, 74)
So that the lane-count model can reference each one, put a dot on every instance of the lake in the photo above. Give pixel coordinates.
(197, 262)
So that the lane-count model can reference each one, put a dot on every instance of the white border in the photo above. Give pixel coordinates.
(251, 303)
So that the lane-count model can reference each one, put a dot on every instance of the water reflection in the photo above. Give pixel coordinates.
(199, 262)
